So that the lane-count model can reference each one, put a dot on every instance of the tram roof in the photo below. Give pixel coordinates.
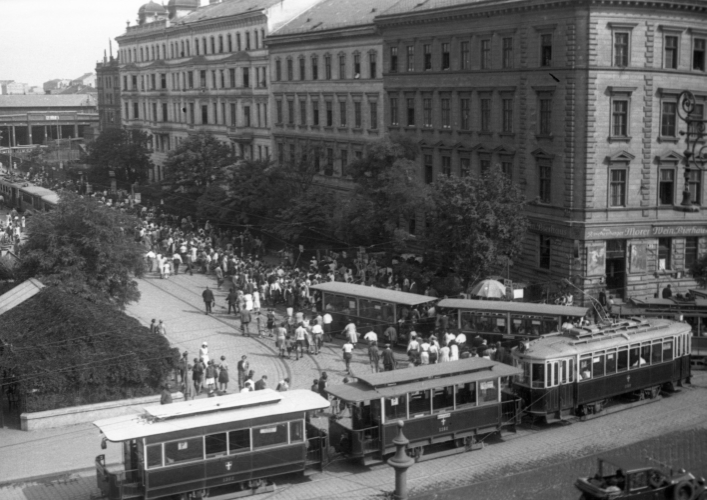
(370, 292)
(163, 419)
(37, 190)
(580, 341)
(514, 307)
(398, 382)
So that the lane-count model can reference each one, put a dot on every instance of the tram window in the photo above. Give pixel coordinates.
(365, 308)
(388, 313)
(538, 375)
(656, 352)
(610, 362)
(296, 432)
(585, 367)
(555, 378)
(535, 326)
(550, 325)
(419, 403)
(269, 435)
(668, 350)
(634, 356)
(467, 321)
(443, 399)
(466, 395)
(645, 354)
(598, 365)
(517, 325)
(184, 451)
(563, 370)
(239, 441)
(216, 444)
(154, 456)
(571, 371)
(622, 361)
(488, 391)
(396, 408)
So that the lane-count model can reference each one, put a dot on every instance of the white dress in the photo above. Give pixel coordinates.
(248, 302)
(256, 301)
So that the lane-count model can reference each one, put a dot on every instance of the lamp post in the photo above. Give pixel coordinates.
(695, 155)
(401, 462)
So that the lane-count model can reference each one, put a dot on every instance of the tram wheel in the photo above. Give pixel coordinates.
(469, 442)
(256, 483)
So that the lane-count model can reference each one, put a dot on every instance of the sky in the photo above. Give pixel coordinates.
(41, 40)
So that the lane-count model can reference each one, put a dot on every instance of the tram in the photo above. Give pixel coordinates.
(369, 307)
(454, 402)
(578, 371)
(27, 197)
(183, 450)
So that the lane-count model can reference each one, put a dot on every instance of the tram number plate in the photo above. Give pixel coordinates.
(443, 418)
(228, 479)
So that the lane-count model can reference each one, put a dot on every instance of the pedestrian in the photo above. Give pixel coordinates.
(300, 335)
(188, 384)
(262, 383)
(150, 257)
(327, 321)
(347, 349)
(283, 385)
(281, 334)
(245, 321)
(176, 261)
(317, 336)
(208, 297)
(161, 328)
(388, 359)
(197, 375)
(371, 336)
(270, 321)
(374, 356)
(183, 362)
(223, 375)
(243, 368)
(667, 292)
(219, 277)
(166, 397)
(350, 332)
(315, 385)
(211, 373)
(204, 353)
(153, 326)
(249, 385)
(322, 385)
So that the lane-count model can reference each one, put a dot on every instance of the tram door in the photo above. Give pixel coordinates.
(560, 378)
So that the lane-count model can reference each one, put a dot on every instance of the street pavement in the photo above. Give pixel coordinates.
(67, 455)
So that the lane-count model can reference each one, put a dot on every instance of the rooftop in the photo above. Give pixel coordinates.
(47, 101)
(223, 9)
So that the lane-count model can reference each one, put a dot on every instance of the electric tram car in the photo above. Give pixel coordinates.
(182, 450)
(27, 197)
(579, 371)
(453, 402)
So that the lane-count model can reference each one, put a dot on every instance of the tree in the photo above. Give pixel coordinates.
(699, 270)
(476, 225)
(388, 191)
(197, 162)
(125, 152)
(84, 248)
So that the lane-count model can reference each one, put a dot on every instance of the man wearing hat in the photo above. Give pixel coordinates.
(388, 359)
(243, 367)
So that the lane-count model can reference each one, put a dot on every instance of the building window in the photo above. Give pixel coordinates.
(619, 118)
(445, 56)
(545, 252)
(302, 69)
(315, 113)
(694, 185)
(411, 112)
(664, 253)
(204, 114)
(427, 113)
(429, 170)
(446, 113)
(485, 54)
(693, 128)
(344, 162)
(666, 187)
(617, 188)
(698, 54)
(546, 49)
(485, 115)
(411, 58)
(507, 168)
(233, 114)
(357, 65)
(278, 107)
(621, 49)
(315, 68)
(372, 66)
(327, 67)
(342, 113)
(393, 59)
(247, 40)
(545, 116)
(357, 114)
(303, 112)
(246, 116)
(278, 70)
(484, 163)
(507, 115)
(464, 53)
(508, 52)
(342, 67)
(670, 52)
(291, 112)
(691, 251)
(427, 50)
(465, 167)
(238, 42)
(447, 166)
(329, 114)
(373, 111)
(394, 120)
(668, 119)
(465, 114)
(246, 77)
(545, 181)
(290, 70)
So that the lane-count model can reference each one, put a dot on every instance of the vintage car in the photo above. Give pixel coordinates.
(625, 477)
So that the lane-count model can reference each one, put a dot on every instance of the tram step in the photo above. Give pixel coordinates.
(619, 407)
(245, 493)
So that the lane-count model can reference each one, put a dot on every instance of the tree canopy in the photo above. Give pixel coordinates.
(84, 248)
(476, 224)
(197, 162)
(125, 152)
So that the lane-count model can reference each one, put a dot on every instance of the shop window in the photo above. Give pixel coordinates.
(664, 253)
(691, 251)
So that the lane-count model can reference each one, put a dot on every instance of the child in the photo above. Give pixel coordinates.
(288, 346)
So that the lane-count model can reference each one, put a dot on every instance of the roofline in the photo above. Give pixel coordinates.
(361, 29)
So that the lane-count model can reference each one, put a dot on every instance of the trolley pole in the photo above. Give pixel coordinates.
(401, 462)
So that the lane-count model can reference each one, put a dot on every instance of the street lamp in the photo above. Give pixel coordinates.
(695, 149)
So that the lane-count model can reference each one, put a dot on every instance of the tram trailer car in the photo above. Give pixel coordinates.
(449, 402)
(182, 450)
(577, 372)
(26, 197)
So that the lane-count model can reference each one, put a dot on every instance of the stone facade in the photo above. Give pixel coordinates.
(108, 87)
(569, 98)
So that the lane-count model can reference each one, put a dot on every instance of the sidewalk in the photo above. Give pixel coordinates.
(177, 301)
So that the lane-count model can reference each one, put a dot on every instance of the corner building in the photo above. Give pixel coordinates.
(327, 87)
(108, 88)
(186, 68)
(576, 101)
